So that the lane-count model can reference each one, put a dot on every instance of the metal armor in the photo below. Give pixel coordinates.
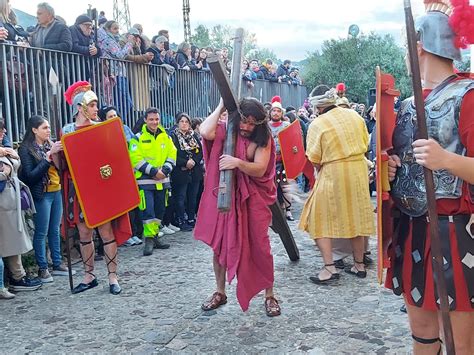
(442, 107)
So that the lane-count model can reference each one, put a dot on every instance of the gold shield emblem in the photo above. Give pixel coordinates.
(106, 171)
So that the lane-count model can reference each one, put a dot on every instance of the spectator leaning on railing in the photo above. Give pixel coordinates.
(161, 55)
(264, 71)
(283, 72)
(9, 29)
(82, 39)
(50, 33)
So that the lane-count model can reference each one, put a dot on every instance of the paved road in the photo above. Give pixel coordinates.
(159, 310)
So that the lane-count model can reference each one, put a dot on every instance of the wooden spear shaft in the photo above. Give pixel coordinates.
(56, 125)
(436, 253)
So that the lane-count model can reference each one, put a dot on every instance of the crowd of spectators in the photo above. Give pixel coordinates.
(106, 41)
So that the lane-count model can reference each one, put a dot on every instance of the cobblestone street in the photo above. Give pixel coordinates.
(159, 310)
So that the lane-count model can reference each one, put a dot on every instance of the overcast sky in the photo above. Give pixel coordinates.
(291, 28)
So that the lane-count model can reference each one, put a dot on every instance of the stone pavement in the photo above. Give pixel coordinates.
(159, 310)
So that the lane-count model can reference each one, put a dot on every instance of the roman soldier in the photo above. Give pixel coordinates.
(449, 107)
(84, 107)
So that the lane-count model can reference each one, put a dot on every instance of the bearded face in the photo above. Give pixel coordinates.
(276, 114)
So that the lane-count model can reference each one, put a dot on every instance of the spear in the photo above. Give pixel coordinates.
(437, 256)
(56, 129)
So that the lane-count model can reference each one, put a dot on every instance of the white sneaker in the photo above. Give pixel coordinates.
(129, 242)
(160, 234)
(167, 230)
(137, 240)
(5, 294)
(174, 228)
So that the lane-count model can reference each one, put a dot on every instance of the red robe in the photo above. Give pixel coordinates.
(239, 238)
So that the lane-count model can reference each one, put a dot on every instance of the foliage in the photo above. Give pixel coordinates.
(201, 36)
(221, 36)
(353, 61)
(262, 54)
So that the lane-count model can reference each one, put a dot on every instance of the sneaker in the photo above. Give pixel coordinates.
(173, 228)
(25, 284)
(167, 230)
(192, 222)
(62, 270)
(5, 294)
(45, 276)
(160, 234)
(137, 240)
(129, 242)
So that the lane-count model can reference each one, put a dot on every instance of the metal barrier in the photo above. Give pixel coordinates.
(131, 87)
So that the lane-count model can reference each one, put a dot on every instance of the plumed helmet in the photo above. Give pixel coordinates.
(80, 93)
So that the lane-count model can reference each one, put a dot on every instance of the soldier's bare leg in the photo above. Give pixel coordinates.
(463, 329)
(110, 251)
(425, 330)
(87, 251)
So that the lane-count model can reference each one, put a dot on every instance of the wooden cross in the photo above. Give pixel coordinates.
(229, 94)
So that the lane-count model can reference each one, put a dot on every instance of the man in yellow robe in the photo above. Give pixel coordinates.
(339, 205)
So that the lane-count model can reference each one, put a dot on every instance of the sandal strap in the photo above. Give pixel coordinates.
(333, 264)
(358, 262)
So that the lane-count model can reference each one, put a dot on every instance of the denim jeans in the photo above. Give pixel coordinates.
(192, 195)
(185, 198)
(47, 220)
(1, 273)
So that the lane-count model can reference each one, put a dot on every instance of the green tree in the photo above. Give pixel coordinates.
(222, 36)
(353, 61)
(201, 36)
(262, 54)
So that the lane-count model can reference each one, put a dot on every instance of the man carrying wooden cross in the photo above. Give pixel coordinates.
(239, 237)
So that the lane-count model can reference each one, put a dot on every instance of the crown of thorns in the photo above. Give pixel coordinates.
(244, 119)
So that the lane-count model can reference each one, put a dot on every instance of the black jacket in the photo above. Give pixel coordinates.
(179, 176)
(33, 172)
(81, 42)
(183, 60)
(264, 74)
(58, 38)
(282, 72)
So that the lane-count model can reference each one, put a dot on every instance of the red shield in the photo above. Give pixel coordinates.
(292, 149)
(101, 170)
(385, 115)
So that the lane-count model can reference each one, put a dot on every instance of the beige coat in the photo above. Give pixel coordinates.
(14, 238)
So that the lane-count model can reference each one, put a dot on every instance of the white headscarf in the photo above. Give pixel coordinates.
(327, 99)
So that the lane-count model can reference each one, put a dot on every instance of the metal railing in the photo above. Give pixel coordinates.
(131, 87)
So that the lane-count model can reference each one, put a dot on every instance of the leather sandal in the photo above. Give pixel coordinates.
(334, 277)
(362, 274)
(272, 308)
(217, 299)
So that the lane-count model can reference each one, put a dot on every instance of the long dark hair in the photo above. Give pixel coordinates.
(27, 143)
(252, 107)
